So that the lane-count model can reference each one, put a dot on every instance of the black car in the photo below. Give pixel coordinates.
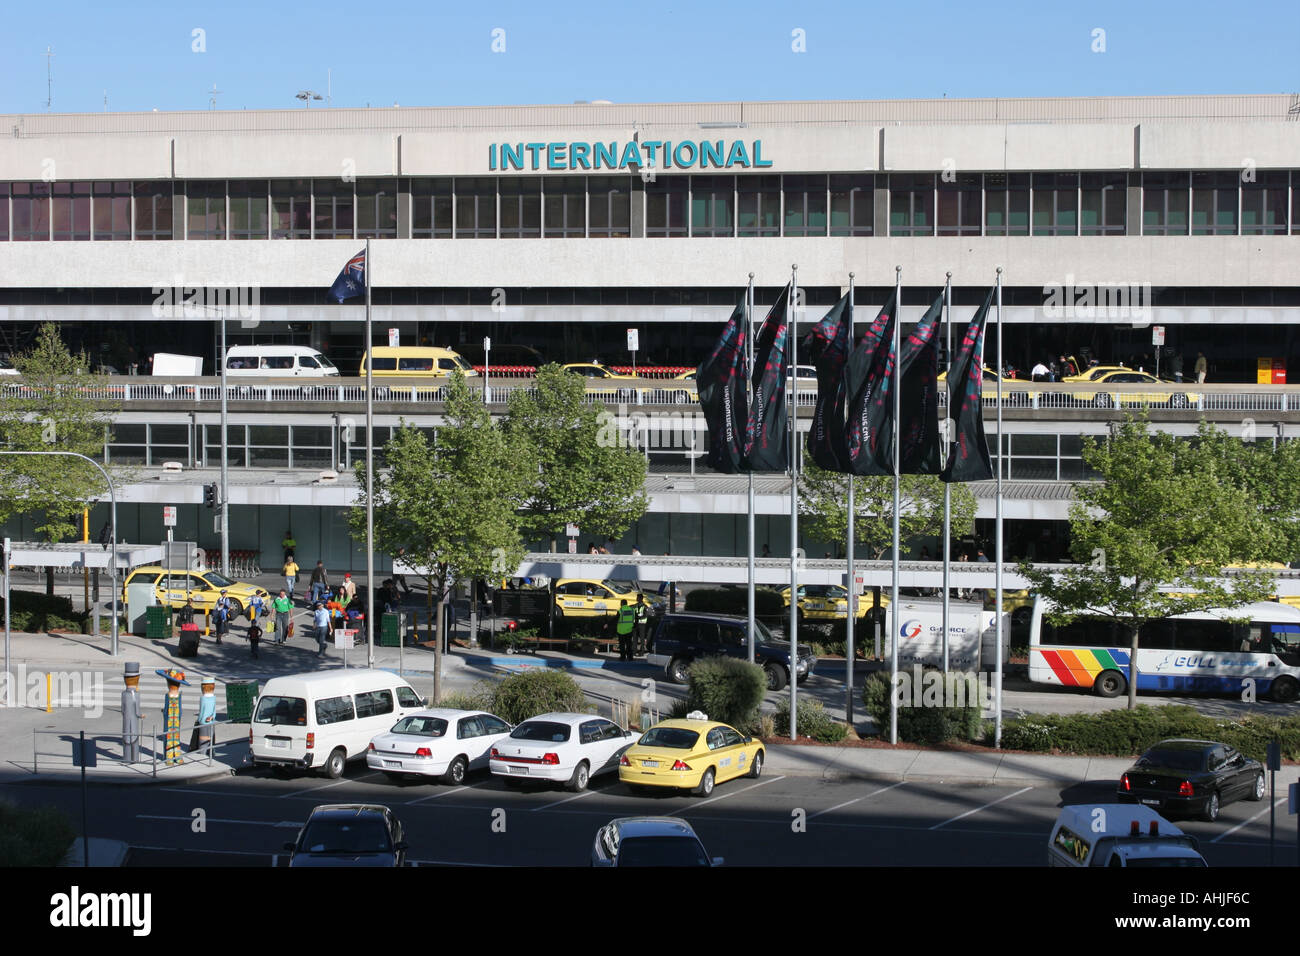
(349, 834)
(1192, 777)
(679, 639)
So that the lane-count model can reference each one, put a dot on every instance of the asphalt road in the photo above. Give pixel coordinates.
(774, 821)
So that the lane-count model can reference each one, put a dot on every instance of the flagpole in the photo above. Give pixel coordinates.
(370, 482)
(749, 385)
(997, 597)
(947, 485)
(793, 405)
(852, 586)
(893, 637)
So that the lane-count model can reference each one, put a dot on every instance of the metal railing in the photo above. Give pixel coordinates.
(153, 748)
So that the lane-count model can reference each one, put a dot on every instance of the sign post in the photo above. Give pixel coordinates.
(345, 638)
(1158, 340)
(571, 530)
(83, 756)
(487, 349)
(394, 338)
(632, 343)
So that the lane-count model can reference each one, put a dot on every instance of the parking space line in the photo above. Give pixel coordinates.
(847, 803)
(978, 809)
(733, 793)
(456, 863)
(326, 786)
(173, 849)
(253, 823)
(1244, 822)
(576, 796)
(434, 796)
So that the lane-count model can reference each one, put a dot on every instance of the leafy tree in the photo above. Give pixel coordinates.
(586, 475)
(824, 504)
(1152, 536)
(54, 409)
(450, 507)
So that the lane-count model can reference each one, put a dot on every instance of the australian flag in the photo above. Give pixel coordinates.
(352, 280)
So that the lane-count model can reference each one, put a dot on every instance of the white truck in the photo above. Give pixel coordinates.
(1119, 834)
(177, 366)
(971, 635)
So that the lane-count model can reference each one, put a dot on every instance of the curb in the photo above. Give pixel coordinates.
(62, 778)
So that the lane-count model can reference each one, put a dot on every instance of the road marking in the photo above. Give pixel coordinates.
(176, 849)
(456, 863)
(576, 796)
(1244, 822)
(733, 793)
(434, 796)
(326, 786)
(978, 809)
(840, 806)
(190, 819)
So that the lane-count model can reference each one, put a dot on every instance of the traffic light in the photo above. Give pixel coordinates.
(210, 495)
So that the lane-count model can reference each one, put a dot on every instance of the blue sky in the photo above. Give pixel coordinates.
(436, 53)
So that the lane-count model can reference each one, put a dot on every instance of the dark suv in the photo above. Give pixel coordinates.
(679, 639)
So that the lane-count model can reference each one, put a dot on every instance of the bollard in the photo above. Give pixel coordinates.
(49, 692)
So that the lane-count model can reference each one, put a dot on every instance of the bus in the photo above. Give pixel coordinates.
(1212, 652)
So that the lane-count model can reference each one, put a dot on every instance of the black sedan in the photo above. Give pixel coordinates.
(1192, 777)
(349, 834)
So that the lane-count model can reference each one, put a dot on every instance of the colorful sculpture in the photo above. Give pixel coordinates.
(131, 713)
(172, 712)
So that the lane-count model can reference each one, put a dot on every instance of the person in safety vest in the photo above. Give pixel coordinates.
(625, 627)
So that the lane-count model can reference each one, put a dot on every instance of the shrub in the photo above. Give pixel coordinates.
(767, 603)
(813, 721)
(534, 692)
(727, 689)
(39, 837)
(478, 697)
(34, 612)
(927, 724)
(678, 710)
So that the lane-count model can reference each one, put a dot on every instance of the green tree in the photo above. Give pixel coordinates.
(55, 406)
(587, 475)
(824, 506)
(1152, 536)
(450, 507)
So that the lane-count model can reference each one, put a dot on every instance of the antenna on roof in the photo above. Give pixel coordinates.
(1293, 112)
(212, 97)
(49, 77)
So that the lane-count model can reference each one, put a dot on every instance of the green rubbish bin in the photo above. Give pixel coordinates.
(158, 622)
(239, 701)
(390, 630)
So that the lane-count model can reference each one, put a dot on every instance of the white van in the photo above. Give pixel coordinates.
(323, 719)
(277, 361)
(1119, 834)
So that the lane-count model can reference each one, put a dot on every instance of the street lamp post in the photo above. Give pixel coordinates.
(307, 96)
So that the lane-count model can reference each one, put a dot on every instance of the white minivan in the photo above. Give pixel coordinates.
(277, 361)
(321, 720)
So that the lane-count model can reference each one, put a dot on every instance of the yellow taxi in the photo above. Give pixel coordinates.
(689, 754)
(605, 383)
(587, 597)
(1161, 393)
(828, 602)
(1015, 391)
(204, 587)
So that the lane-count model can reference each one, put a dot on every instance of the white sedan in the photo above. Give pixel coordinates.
(437, 743)
(563, 748)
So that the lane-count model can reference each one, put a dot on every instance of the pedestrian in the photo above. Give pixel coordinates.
(201, 739)
(172, 713)
(1040, 372)
(642, 625)
(290, 574)
(625, 626)
(289, 545)
(1200, 368)
(319, 584)
(1176, 365)
(767, 552)
(592, 549)
(221, 615)
(283, 606)
(254, 638)
(1068, 368)
(256, 609)
(636, 552)
(131, 713)
(186, 614)
(348, 589)
(322, 621)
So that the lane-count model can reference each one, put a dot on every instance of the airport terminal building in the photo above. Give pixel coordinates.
(555, 229)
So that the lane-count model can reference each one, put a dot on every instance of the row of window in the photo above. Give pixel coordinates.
(489, 207)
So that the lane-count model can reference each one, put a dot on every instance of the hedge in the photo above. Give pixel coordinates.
(34, 612)
(813, 721)
(728, 689)
(926, 724)
(534, 692)
(39, 837)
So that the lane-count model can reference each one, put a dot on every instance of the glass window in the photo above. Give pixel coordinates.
(408, 698)
(805, 205)
(958, 211)
(248, 209)
(333, 710)
(1056, 204)
(493, 725)
(376, 208)
(291, 209)
(665, 206)
(431, 208)
(333, 210)
(112, 211)
(1263, 205)
(4, 212)
(1104, 209)
(758, 207)
(374, 703)
(476, 208)
(31, 211)
(71, 211)
(205, 202)
(711, 203)
(911, 204)
(852, 205)
(1006, 204)
(521, 207)
(1214, 204)
(609, 207)
(1165, 204)
(566, 207)
(153, 210)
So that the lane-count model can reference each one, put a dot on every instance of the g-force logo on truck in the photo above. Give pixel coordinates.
(910, 629)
